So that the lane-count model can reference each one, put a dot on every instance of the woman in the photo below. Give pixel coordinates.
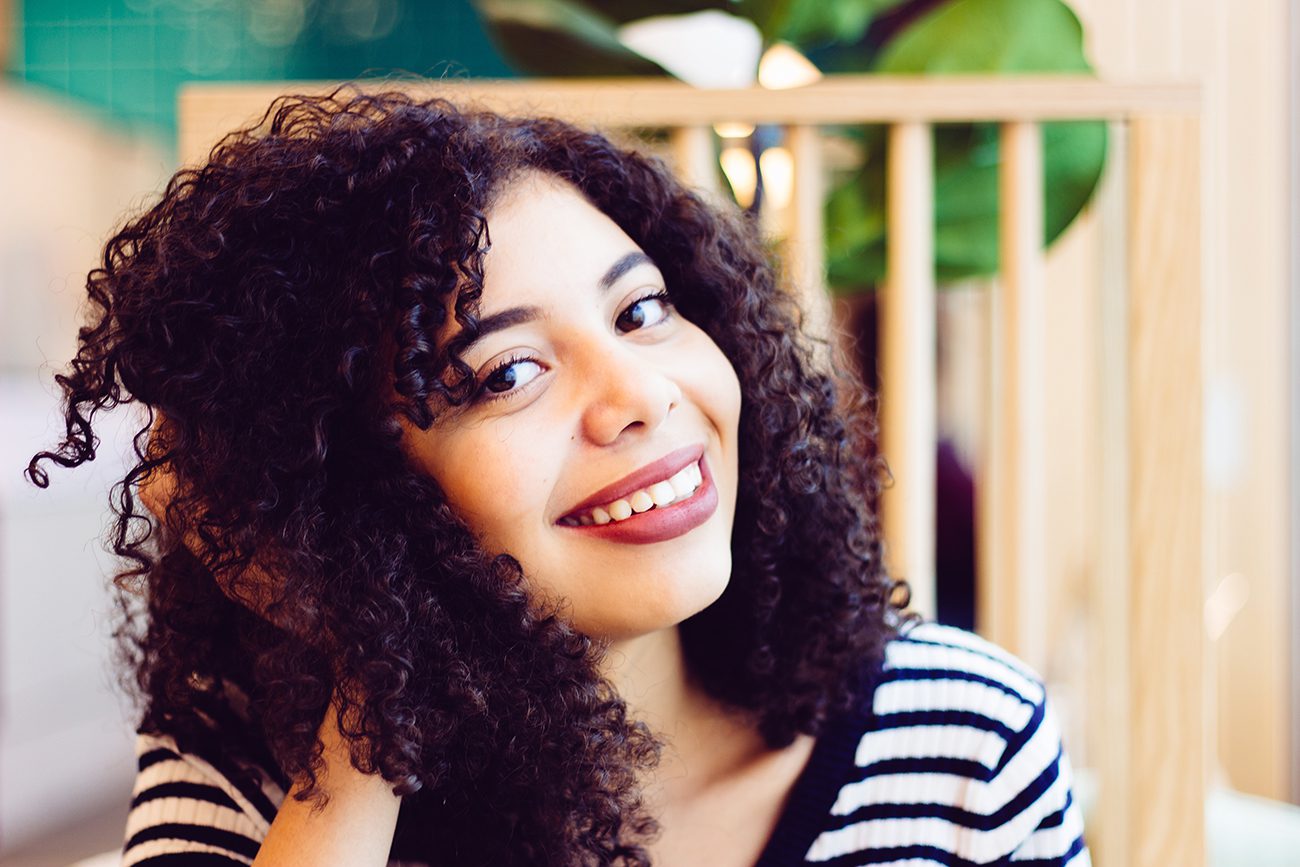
(503, 518)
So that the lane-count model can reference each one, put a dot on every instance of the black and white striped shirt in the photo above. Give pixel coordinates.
(957, 761)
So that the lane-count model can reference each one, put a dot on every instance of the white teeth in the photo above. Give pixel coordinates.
(662, 493)
(682, 483)
(680, 486)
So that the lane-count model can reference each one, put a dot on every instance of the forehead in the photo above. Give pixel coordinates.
(546, 237)
(548, 246)
(541, 225)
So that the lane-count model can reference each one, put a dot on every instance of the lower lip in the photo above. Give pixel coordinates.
(660, 523)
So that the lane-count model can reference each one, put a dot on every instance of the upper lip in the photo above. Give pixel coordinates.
(664, 468)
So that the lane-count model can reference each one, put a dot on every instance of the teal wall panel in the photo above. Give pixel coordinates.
(126, 58)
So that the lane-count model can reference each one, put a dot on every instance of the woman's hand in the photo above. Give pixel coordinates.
(356, 825)
(157, 490)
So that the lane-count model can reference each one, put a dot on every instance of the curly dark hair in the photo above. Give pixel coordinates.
(277, 313)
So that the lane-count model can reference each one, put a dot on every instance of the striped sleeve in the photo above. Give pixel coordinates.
(1057, 839)
(186, 813)
(1034, 790)
(963, 765)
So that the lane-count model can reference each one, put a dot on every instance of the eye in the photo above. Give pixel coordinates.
(507, 377)
(511, 375)
(645, 311)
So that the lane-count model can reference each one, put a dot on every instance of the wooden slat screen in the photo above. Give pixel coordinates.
(1147, 603)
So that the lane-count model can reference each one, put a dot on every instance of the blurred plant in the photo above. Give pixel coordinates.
(896, 37)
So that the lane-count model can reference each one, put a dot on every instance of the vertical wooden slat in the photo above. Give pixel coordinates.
(1013, 496)
(697, 162)
(1111, 824)
(805, 243)
(1168, 649)
(1293, 393)
(907, 367)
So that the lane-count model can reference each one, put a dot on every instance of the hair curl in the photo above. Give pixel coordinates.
(275, 312)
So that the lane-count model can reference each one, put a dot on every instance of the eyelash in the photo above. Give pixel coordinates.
(481, 393)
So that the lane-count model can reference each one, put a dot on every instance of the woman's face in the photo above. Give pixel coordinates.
(601, 448)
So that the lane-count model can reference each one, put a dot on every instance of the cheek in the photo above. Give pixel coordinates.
(734, 394)
(497, 487)
(718, 386)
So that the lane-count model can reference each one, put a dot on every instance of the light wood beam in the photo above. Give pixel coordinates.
(1168, 650)
(695, 157)
(907, 367)
(212, 109)
(805, 246)
(1012, 530)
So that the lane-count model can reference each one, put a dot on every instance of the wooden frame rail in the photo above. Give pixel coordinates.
(1152, 652)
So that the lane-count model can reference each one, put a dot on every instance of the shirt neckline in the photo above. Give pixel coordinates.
(815, 790)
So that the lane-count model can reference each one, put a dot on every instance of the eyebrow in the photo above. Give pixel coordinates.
(518, 315)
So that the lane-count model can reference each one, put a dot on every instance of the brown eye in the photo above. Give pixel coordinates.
(645, 312)
(510, 374)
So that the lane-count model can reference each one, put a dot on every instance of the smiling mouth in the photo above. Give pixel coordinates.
(656, 523)
(675, 489)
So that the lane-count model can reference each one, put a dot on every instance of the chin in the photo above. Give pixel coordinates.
(672, 602)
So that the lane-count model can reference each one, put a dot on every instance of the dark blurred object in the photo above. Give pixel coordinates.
(954, 563)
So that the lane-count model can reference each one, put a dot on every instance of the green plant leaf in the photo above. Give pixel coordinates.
(970, 36)
(989, 36)
(768, 15)
(813, 21)
(560, 37)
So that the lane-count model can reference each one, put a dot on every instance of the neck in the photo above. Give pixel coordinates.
(649, 672)
(703, 742)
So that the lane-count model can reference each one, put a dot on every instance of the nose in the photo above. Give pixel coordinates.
(626, 392)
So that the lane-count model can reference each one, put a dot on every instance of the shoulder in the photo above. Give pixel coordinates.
(936, 668)
(194, 801)
(960, 761)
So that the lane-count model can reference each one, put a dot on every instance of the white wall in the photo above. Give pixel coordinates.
(66, 744)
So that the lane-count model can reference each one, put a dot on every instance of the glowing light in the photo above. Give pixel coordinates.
(733, 130)
(777, 165)
(738, 166)
(1225, 603)
(782, 67)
